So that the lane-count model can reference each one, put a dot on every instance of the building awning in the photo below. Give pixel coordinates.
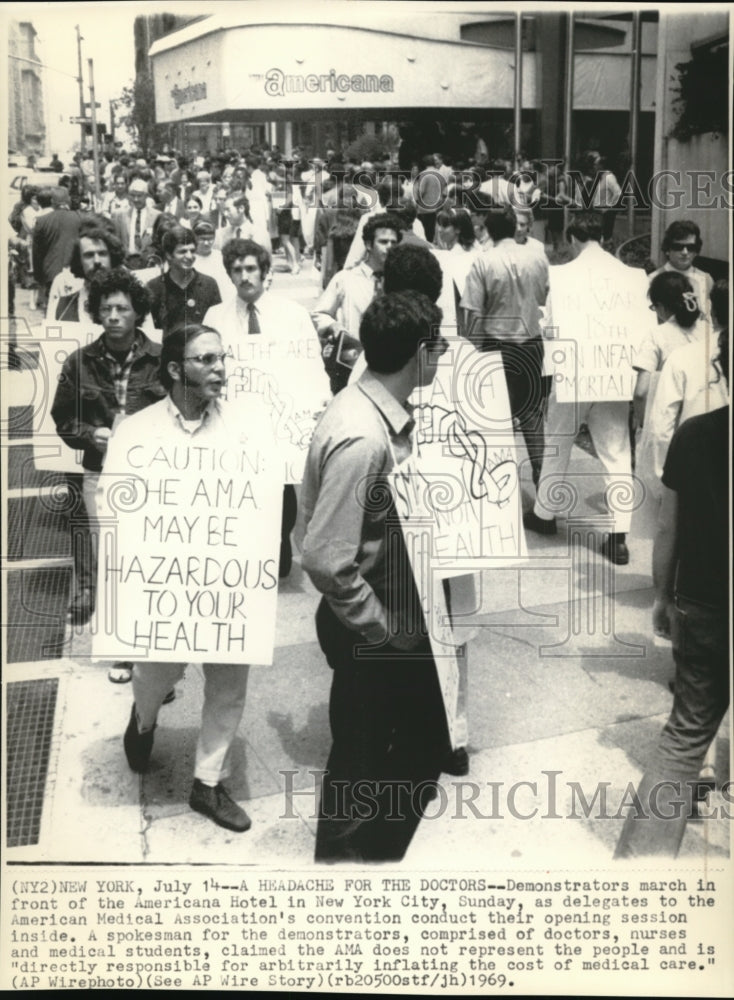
(221, 70)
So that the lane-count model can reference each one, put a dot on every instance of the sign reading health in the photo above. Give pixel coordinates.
(468, 463)
(189, 541)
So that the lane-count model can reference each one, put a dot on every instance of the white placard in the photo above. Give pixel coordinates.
(417, 522)
(189, 542)
(288, 374)
(468, 476)
(599, 313)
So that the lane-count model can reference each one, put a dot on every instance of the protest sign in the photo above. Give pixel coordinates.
(189, 539)
(599, 313)
(468, 462)
(417, 522)
(58, 341)
(287, 372)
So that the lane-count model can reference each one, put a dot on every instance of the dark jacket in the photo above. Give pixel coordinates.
(85, 396)
(54, 238)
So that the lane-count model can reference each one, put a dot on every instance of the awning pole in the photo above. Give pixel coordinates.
(568, 107)
(634, 110)
(518, 89)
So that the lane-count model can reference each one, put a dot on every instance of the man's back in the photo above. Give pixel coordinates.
(508, 284)
(54, 237)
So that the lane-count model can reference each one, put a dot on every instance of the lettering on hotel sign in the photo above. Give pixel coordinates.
(278, 83)
(188, 94)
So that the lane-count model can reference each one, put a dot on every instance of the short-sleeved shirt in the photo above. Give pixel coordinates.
(507, 286)
(171, 305)
(697, 468)
(661, 340)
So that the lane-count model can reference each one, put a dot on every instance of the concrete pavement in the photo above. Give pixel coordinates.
(563, 677)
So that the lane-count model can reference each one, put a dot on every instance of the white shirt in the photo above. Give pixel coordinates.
(689, 385)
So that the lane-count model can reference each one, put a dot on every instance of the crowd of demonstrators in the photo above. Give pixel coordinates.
(202, 234)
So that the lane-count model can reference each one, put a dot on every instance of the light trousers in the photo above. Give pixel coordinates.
(609, 429)
(225, 688)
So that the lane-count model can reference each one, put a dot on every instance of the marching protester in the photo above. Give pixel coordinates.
(111, 378)
(387, 718)
(607, 420)
(182, 294)
(253, 311)
(504, 292)
(192, 376)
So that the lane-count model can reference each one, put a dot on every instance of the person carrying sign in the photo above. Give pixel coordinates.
(387, 718)
(192, 419)
(593, 275)
(100, 384)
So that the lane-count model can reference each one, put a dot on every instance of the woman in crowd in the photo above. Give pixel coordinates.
(194, 209)
(681, 244)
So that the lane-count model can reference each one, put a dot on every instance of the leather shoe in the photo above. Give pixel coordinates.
(81, 608)
(218, 806)
(457, 763)
(532, 522)
(138, 746)
(615, 550)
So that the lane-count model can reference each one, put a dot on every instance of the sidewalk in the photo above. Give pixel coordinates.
(575, 687)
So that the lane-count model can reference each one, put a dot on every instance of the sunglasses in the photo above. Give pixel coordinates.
(680, 247)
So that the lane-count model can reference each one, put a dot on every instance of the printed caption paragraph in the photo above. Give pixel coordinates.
(347, 933)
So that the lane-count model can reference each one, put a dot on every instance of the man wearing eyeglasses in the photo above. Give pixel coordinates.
(386, 713)
(681, 245)
(192, 372)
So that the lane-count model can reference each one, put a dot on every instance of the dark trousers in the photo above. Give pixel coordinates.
(702, 668)
(389, 734)
(83, 551)
(527, 389)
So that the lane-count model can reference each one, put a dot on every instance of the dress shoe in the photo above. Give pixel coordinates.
(81, 608)
(457, 763)
(138, 746)
(532, 522)
(615, 550)
(218, 806)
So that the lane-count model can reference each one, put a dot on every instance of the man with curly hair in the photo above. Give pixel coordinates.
(100, 384)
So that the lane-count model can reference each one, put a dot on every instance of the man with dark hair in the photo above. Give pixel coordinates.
(681, 244)
(97, 249)
(410, 267)
(253, 311)
(182, 294)
(192, 374)
(99, 385)
(341, 305)
(390, 199)
(504, 293)
(387, 718)
(54, 237)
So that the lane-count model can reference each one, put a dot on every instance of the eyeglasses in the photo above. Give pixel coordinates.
(208, 360)
(680, 247)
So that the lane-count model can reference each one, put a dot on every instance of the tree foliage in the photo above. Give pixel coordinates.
(701, 104)
(139, 116)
